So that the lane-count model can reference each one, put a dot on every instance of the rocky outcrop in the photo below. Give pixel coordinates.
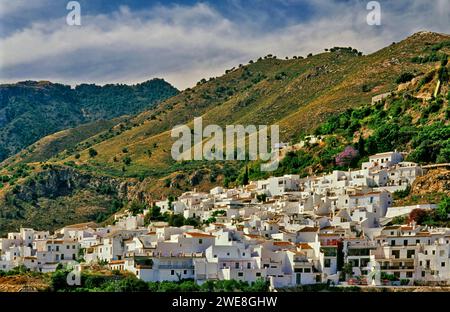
(434, 181)
(62, 181)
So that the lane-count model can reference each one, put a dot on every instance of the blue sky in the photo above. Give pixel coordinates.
(185, 41)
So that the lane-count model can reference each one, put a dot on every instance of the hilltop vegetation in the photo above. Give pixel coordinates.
(327, 94)
(31, 110)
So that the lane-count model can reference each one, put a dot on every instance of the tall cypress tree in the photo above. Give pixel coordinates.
(245, 178)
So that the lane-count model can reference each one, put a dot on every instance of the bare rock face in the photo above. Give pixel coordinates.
(62, 181)
(434, 181)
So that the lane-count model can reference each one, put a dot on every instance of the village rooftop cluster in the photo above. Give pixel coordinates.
(320, 229)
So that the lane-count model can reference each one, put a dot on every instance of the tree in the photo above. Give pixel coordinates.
(176, 220)
(418, 215)
(405, 77)
(361, 146)
(218, 213)
(259, 285)
(261, 197)
(128, 284)
(59, 280)
(347, 271)
(136, 207)
(245, 178)
(372, 146)
(399, 220)
(210, 220)
(443, 208)
(402, 193)
(127, 160)
(347, 157)
(192, 221)
(92, 152)
(189, 286)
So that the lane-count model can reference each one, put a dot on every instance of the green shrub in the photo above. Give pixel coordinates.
(402, 193)
(404, 77)
(92, 152)
(127, 160)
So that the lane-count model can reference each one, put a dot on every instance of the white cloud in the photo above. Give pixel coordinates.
(186, 43)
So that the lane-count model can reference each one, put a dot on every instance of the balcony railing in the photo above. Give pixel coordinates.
(395, 267)
(206, 276)
(175, 267)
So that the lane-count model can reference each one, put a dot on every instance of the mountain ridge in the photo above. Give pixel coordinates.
(24, 105)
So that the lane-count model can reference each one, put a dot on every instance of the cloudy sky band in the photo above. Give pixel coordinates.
(185, 41)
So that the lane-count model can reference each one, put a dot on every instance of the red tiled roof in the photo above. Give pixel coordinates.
(197, 234)
(309, 229)
(282, 243)
(304, 246)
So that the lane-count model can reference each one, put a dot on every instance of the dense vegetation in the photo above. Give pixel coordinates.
(121, 282)
(31, 110)
(436, 217)
(402, 122)
(104, 280)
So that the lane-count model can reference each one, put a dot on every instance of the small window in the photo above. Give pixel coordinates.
(442, 264)
(172, 272)
(240, 274)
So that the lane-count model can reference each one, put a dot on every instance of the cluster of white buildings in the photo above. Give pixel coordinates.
(306, 231)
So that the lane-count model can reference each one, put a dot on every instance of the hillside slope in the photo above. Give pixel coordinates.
(297, 94)
(31, 110)
(301, 95)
